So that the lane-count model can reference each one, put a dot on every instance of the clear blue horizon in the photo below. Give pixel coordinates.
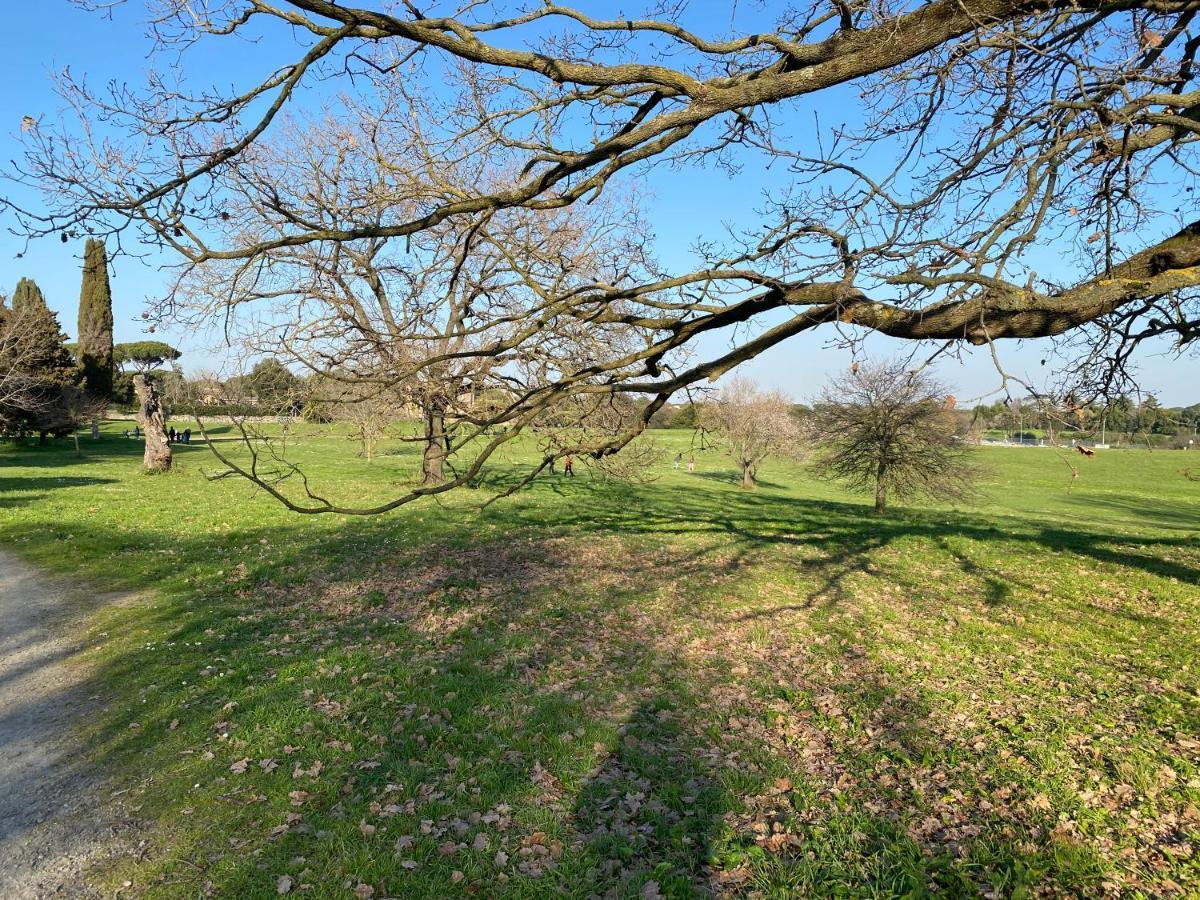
(53, 34)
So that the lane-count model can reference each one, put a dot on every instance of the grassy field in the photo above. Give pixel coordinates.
(675, 688)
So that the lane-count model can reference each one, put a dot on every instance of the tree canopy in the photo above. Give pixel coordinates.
(886, 429)
(981, 138)
(36, 370)
(144, 356)
(270, 384)
(751, 425)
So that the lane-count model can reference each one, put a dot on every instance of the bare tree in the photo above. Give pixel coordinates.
(884, 429)
(370, 412)
(456, 321)
(71, 407)
(19, 354)
(751, 425)
(983, 131)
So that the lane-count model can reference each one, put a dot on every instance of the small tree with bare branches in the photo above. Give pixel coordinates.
(885, 429)
(751, 425)
(18, 359)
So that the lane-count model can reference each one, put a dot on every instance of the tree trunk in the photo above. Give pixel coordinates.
(78, 452)
(157, 457)
(433, 465)
(96, 428)
(880, 491)
(747, 476)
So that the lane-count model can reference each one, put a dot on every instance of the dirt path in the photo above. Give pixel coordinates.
(54, 818)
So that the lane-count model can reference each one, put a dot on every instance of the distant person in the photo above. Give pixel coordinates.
(137, 431)
(187, 435)
(126, 432)
(171, 435)
(569, 466)
(678, 461)
(692, 463)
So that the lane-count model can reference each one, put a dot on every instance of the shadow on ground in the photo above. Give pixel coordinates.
(542, 687)
(584, 695)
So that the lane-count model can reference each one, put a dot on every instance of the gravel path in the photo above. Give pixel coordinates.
(53, 818)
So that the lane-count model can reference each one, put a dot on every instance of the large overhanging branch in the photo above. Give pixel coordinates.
(1170, 266)
(802, 70)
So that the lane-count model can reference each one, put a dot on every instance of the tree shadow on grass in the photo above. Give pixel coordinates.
(521, 667)
(732, 478)
(23, 490)
(60, 452)
(1165, 514)
(520, 691)
(833, 529)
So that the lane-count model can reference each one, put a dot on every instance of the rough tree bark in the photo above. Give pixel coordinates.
(157, 457)
(433, 464)
(747, 475)
(881, 490)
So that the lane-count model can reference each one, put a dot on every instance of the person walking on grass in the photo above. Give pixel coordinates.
(692, 463)
(569, 466)
(678, 460)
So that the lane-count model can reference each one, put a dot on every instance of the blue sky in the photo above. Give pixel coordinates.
(47, 35)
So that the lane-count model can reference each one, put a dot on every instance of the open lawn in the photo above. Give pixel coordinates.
(673, 688)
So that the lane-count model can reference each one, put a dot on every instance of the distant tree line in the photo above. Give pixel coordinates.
(1123, 416)
(1122, 419)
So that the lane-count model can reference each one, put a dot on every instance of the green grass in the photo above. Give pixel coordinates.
(595, 686)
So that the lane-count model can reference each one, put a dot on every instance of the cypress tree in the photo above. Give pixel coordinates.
(28, 296)
(96, 322)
